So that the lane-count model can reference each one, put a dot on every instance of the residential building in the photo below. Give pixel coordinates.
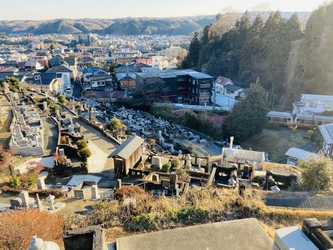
(97, 79)
(327, 134)
(313, 104)
(220, 83)
(294, 155)
(182, 86)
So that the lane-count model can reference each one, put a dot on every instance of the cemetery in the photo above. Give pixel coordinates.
(152, 155)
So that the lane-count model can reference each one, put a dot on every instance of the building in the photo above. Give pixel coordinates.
(294, 155)
(181, 86)
(327, 133)
(96, 78)
(313, 104)
(127, 156)
(220, 83)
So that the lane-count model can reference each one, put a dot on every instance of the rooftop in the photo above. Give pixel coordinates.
(214, 236)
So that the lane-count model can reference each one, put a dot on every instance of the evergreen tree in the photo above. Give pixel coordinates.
(194, 51)
(248, 116)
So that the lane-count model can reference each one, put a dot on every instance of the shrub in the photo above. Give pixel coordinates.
(147, 221)
(182, 175)
(18, 227)
(166, 167)
(175, 163)
(32, 179)
(128, 192)
(84, 154)
(81, 144)
(62, 99)
(15, 182)
(316, 172)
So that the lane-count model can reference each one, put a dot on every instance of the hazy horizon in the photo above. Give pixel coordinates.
(108, 9)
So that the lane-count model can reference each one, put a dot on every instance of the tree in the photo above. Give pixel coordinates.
(84, 154)
(248, 117)
(194, 51)
(116, 124)
(62, 99)
(81, 144)
(316, 172)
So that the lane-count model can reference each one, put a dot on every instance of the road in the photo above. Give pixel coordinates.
(100, 146)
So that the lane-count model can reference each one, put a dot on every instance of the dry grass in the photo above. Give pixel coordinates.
(200, 205)
(274, 142)
(282, 168)
(18, 227)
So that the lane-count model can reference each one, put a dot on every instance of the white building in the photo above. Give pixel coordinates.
(313, 104)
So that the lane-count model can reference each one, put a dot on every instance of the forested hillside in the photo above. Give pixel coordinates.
(120, 26)
(287, 58)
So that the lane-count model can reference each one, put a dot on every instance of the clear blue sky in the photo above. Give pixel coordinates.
(51, 9)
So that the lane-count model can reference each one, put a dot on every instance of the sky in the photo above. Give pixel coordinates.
(53, 9)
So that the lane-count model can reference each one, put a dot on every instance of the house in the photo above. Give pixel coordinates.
(51, 82)
(128, 83)
(56, 61)
(313, 104)
(126, 70)
(327, 134)
(233, 91)
(66, 72)
(294, 155)
(220, 83)
(97, 78)
(126, 156)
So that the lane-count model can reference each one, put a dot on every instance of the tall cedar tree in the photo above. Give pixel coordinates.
(248, 116)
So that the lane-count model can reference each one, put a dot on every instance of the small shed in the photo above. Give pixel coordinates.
(295, 154)
(127, 156)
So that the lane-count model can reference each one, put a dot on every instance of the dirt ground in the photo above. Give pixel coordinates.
(276, 142)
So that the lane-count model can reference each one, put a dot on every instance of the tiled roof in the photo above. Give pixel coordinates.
(222, 80)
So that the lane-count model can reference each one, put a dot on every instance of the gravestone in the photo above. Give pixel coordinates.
(15, 203)
(173, 181)
(94, 192)
(156, 161)
(119, 184)
(39, 203)
(188, 164)
(50, 199)
(24, 195)
(40, 183)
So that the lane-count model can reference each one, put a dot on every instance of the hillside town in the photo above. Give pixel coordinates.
(121, 142)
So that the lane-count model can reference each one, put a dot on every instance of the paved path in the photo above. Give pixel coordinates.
(305, 202)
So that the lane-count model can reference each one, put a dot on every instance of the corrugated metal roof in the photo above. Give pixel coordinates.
(327, 132)
(126, 149)
(309, 97)
(299, 154)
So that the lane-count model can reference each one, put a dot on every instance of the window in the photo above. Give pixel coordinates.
(328, 105)
(313, 104)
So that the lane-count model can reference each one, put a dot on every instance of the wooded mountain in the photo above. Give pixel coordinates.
(121, 26)
(287, 59)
